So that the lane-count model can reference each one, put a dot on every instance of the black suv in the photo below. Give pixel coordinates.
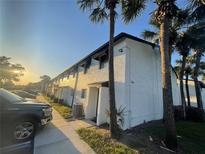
(19, 118)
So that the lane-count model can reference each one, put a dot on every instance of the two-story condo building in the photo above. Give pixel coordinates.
(137, 68)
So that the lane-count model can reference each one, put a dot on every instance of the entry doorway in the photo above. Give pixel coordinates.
(93, 102)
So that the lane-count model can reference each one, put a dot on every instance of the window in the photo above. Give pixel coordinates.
(103, 61)
(83, 93)
(85, 70)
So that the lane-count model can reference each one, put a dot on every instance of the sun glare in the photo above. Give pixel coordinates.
(16, 71)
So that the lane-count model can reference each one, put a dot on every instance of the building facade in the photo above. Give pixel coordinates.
(137, 69)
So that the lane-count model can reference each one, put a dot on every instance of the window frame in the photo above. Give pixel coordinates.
(83, 93)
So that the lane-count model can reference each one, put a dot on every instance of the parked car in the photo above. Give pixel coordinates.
(24, 94)
(20, 118)
(34, 92)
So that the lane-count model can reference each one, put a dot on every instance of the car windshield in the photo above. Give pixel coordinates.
(10, 97)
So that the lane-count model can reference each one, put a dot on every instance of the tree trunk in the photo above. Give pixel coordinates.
(181, 76)
(187, 89)
(113, 111)
(170, 68)
(196, 82)
(171, 140)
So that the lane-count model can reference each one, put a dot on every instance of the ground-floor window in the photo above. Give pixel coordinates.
(83, 93)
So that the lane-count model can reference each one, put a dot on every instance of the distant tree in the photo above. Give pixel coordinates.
(9, 72)
(44, 83)
(45, 78)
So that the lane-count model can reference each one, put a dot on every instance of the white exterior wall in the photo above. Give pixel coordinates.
(94, 75)
(192, 94)
(143, 84)
(103, 106)
(68, 84)
(137, 84)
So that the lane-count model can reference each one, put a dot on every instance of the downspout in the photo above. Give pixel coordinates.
(75, 87)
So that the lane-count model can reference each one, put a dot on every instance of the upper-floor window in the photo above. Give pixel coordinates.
(83, 93)
(103, 62)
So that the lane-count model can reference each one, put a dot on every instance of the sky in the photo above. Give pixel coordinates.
(48, 36)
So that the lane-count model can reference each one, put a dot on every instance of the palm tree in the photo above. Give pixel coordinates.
(197, 16)
(198, 34)
(174, 30)
(187, 74)
(183, 46)
(166, 11)
(102, 9)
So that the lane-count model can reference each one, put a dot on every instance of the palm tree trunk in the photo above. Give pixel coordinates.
(171, 139)
(182, 86)
(187, 90)
(113, 111)
(196, 82)
(170, 68)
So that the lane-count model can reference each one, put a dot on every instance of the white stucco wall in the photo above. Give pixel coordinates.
(68, 85)
(192, 94)
(103, 105)
(143, 81)
(95, 75)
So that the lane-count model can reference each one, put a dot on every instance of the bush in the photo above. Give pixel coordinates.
(195, 114)
(178, 113)
(60, 101)
(192, 114)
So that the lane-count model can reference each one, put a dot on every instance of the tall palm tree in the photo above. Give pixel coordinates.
(198, 34)
(187, 74)
(102, 9)
(174, 30)
(183, 46)
(166, 11)
(197, 16)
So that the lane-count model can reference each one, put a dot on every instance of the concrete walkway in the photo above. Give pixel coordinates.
(60, 137)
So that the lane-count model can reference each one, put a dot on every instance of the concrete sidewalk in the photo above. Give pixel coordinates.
(60, 137)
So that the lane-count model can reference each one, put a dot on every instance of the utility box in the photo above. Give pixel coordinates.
(78, 111)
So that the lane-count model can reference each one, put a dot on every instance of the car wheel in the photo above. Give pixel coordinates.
(24, 130)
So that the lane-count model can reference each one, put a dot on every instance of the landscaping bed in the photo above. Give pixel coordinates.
(64, 111)
(147, 139)
(101, 142)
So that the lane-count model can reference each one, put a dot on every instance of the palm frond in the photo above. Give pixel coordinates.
(198, 10)
(153, 22)
(149, 35)
(98, 15)
(87, 4)
(197, 14)
(131, 9)
(181, 18)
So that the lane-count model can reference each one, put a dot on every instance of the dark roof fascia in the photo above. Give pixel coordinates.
(105, 46)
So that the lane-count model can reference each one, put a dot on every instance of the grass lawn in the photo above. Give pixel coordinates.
(191, 135)
(101, 143)
(65, 111)
(191, 139)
